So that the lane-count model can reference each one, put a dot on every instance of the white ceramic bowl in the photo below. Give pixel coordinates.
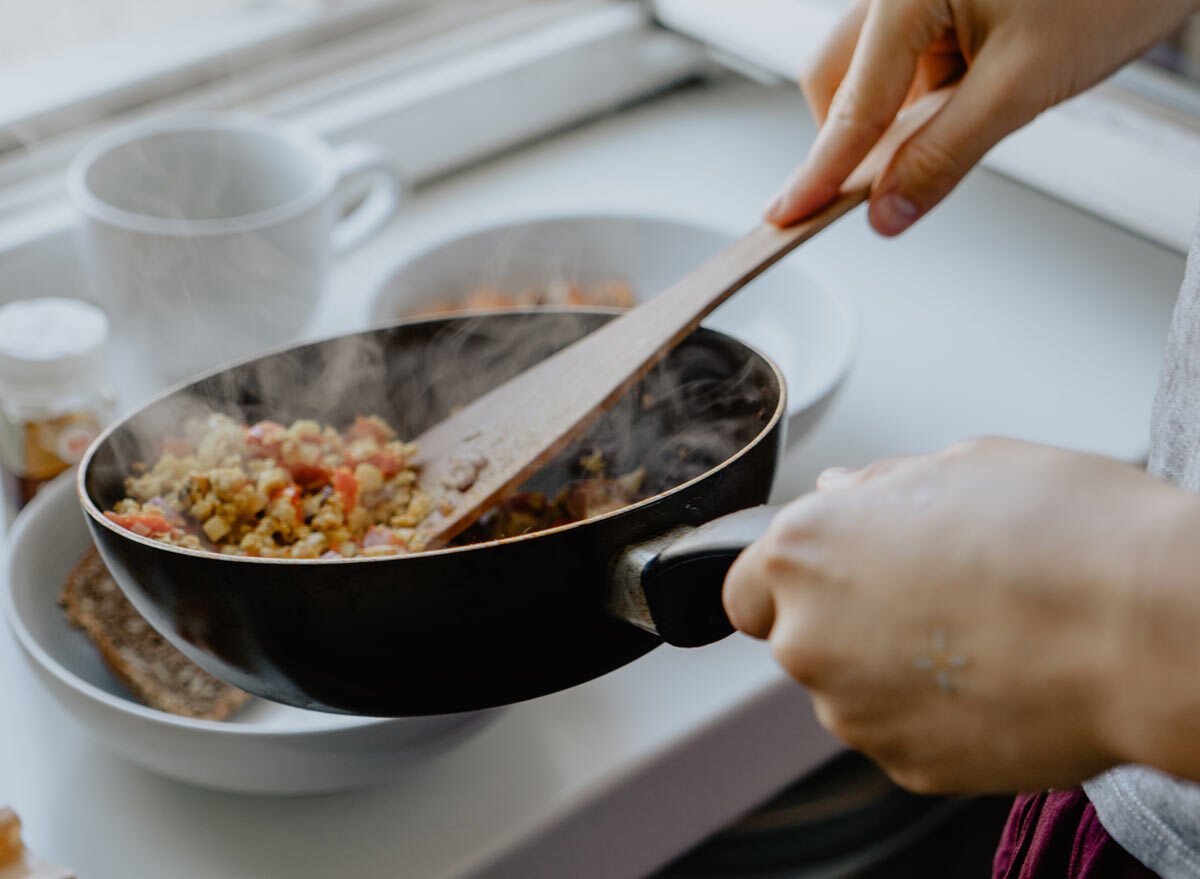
(265, 749)
(790, 314)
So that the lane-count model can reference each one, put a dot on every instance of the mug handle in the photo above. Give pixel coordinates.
(383, 197)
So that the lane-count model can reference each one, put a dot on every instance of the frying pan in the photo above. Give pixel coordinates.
(465, 627)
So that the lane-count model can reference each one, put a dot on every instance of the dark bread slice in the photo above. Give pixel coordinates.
(141, 659)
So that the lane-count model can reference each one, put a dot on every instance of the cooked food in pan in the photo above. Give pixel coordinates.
(301, 492)
(308, 491)
(596, 492)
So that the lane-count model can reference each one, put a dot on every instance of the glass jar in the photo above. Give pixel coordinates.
(55, 394)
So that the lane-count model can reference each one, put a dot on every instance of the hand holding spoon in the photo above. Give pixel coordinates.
(474, 458)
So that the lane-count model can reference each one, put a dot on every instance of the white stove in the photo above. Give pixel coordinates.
(1005, 312)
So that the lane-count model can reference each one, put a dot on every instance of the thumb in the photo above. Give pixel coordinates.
(992, 101)
(840, 478)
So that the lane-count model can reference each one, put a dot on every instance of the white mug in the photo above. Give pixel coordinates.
(208, 236)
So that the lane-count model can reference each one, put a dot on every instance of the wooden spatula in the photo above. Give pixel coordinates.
(487, 449)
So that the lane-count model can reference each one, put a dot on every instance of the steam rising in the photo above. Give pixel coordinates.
(196, 299)
(689, 414)
(206, 244)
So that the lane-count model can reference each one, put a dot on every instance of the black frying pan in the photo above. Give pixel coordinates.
(464, 627)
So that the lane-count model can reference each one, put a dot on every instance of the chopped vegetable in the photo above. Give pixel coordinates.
(281, 492)
(346, 485)
(310, 476)
(293, 494)
(379, 536)
(145, 524)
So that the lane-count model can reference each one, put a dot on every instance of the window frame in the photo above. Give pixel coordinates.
(438, 73)
(43, 99)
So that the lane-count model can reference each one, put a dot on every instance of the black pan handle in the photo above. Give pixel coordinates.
(671, 585)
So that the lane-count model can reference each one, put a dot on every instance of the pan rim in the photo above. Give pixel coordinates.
(97, 516)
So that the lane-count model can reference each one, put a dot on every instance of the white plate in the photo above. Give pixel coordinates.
(800, 322)
(267, 748)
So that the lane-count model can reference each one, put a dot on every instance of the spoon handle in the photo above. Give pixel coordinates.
(492, 445)
(501, 439)
(662, 322)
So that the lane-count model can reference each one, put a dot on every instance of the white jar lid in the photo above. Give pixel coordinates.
(48, 341)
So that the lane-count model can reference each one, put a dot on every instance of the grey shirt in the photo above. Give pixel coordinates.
(1155, 817)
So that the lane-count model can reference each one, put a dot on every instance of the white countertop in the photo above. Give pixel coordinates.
(1005, 313)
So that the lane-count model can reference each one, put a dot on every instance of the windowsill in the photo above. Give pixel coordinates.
(47, 96)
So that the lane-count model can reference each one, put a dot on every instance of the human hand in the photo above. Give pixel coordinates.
(972, 619)
(1015, 59)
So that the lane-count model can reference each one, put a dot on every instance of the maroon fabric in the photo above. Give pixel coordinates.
(1057, 835)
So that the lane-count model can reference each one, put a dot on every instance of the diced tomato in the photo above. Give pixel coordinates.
(293, 493)
(177, 446)
(145, 524)
(265, 438)
(377, 535)
(172, 517)
(389, 463)
(364, 428)
(346, 485)
(310, 476)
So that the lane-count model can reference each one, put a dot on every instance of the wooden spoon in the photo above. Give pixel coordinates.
(487, 449)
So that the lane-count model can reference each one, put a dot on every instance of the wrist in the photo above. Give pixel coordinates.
(1150, 713)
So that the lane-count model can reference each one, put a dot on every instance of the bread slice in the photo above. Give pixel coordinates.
(141, 659)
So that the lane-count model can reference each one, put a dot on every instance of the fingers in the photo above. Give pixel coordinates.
(773, 564)
(934, 71)
(894, 36)
(984, 108)
(749, 602)
(766, 597)
(793, 552)
(839, 478)
(907, 466)
(821, 78)
(836, 477)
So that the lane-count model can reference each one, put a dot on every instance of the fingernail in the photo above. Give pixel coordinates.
(834, 477)
(893, 214)
(775, 206)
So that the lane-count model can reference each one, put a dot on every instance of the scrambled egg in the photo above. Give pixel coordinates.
(304, 491)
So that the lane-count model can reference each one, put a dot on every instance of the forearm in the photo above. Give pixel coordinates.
(1153, 716)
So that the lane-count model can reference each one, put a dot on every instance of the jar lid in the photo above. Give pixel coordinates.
(51, 340)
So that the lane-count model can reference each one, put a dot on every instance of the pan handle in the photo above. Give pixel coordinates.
(671, 585)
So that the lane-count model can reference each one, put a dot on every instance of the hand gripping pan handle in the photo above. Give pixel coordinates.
(671, 585)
